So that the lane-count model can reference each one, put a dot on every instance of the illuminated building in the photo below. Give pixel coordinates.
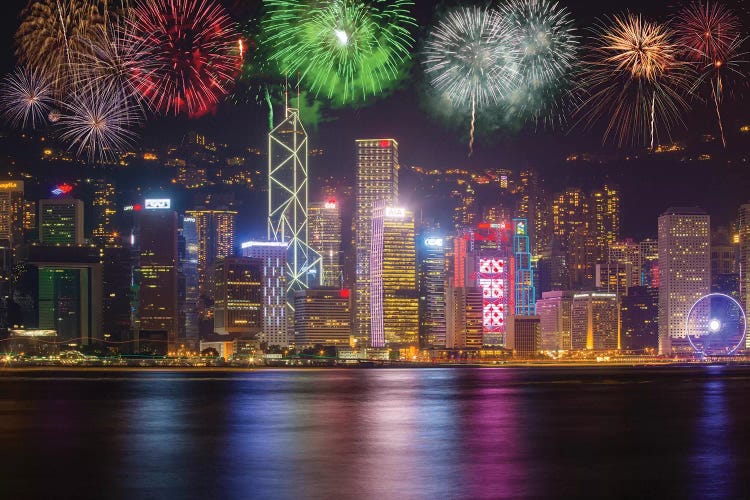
(215, 232)
(649, 262)
(324, 220)
(377, 181)
(394, 302)
(570, 212)
(466, 213)
(684, 272)
(287, 202)
(605, 210)
(432, 283)
(273, 254)
(70, 290)
(533, 206)
(583, 254)
(322, 316)
(104, 206)
(11, 213)
(614, 277)
(554, 310)
(627, 252)
(725, 276)
(157, 272)
(464, 317)
(639, 313)
(523, 273)
(189, 270)
(239, 296)
(595, 322)
(524, 335)
(61, 221)
(117, 285)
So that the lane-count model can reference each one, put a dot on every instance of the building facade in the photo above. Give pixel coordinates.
(325, 238)
(554, 310)
(273, 254)
(239, 296)
(595, 322)
(322, 316)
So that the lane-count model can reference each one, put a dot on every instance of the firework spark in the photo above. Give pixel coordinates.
(348, 50)
(633, 78)
(710, 35)
(26, 98)
(191, 54)
(97, 121)
(543, 31)
(471, 59)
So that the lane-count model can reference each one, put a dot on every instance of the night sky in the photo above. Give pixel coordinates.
(649, 185)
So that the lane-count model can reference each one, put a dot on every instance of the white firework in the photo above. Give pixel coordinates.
(470, 59)
(26, 98)
(97, 121)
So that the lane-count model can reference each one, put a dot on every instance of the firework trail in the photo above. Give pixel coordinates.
(191, 54)
(543, 31)
(710, 34)
(26, 97)
(633, 77)
(471, 60)
(347, 50)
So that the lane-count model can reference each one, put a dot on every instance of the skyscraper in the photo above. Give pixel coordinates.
(464, 311)
(215, 234)
(157, 271)
(432, 287)
(595, 321)
(684, 272)
(640, 317)
(61, 221)
(11, 212)
(377, 181)
(523, 275)
(554, 310)
(393, 278)
(189, 271)
(325, 238)
(104, 206)
(744, 265)
(605, 210)
(239, 295)
(275, 319)
(287, 202)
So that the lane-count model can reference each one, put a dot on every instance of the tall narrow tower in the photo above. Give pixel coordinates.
(287, 201)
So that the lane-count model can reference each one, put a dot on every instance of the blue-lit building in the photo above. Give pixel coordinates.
(523, 272)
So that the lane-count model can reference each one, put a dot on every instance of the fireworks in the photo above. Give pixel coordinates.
(633, 78)
(544, 34)
(710, 36)
(26, 98)
(190, 54)
(348, 50)
(471, 59)
(51, 31)
(97, 121)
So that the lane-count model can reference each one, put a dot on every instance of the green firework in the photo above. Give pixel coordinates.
(346, 50)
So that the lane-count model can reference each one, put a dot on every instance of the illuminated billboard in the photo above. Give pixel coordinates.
(157, 204)
(433, 242)
(393, 212)
(491, 278)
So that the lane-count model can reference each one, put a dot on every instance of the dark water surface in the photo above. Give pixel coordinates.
(378, 433)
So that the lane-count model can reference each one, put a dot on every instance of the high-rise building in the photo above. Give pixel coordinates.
(464, 311)
(649, 262)
(552, 268)
(605, 211)
(61, 221)
(684, 272)
(377, 181)
(11, 212)
(595, 321)
(215, 233)
(570, 212)
(524, 335)
(554, 310)
(614, 277)
(394, 302)
(639, 312)
(324, 220)
(189, 270)
(287, 202)
(627, 252)
(117, 284)
(432, 285)
(104, 206)
(29, 215)
(275, 330)
(523, 273)
(239, 296)
(322, 316)
(157, 272)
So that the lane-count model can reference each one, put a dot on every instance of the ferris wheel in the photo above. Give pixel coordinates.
(716, 325)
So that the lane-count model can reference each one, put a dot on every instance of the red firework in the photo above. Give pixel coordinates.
(191, 56)
(708, 31)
